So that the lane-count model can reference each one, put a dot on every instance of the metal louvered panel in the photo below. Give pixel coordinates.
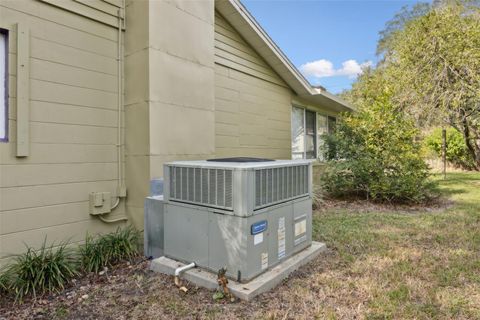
(178, 182)
(208, 187)
(220, 188)
(184, 183)
(275, 185)
(228, 188)
(269, 185)
(190, 184)
(212, 187)
(198, 185)
(263, 186)
(204, 186)
(258, 188)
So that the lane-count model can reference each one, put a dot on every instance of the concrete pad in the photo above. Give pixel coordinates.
(244, 291)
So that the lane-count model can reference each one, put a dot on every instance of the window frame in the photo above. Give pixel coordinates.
(5, 32)
(326, 115)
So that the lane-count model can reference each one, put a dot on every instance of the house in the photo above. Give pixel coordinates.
(100, 93)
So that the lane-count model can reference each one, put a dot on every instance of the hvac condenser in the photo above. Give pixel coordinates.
(240, 213)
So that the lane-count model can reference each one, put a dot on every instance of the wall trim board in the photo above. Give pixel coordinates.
(23, 90)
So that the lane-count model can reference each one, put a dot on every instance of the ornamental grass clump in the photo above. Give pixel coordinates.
(36, 272)
(111, 248)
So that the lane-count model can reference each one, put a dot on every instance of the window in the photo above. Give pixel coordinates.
(308, 130)
(322, 129)
(298, 133)
(3, 85)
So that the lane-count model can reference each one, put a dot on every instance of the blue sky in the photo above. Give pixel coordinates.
(323, 37)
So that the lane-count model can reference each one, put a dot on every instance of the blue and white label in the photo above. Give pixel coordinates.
(259, 227)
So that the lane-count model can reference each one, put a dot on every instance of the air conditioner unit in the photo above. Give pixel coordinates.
(244, 214)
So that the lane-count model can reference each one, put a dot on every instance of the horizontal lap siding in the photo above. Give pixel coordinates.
(252, 103)
(73, 119)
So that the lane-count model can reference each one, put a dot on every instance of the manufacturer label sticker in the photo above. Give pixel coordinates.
(258, 238)
(264, 260)
(300, 228)
(281, 238)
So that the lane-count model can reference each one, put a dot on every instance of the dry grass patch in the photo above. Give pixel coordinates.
(380, 264)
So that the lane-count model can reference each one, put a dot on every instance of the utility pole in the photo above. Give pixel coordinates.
(444, 152)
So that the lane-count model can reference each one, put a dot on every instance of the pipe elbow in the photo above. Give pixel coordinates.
(187, 267)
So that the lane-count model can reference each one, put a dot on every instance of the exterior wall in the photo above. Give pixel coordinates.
(73, 112)
(170, 90)
(137, 113)
(252, 103)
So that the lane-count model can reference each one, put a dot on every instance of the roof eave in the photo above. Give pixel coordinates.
(237, 15)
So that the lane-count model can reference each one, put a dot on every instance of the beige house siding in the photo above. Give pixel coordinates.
(252, 103)
(73, 112)
(169, 90)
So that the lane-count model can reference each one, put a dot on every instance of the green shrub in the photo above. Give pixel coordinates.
(457, 153)
(377, 156)
(36, 272)
(106, 250)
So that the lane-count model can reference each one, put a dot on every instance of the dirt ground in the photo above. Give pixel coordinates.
(131, 291)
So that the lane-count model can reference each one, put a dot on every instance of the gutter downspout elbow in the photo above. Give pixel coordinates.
(179, 271)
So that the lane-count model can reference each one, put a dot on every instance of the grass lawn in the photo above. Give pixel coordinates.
(380, 265)
(396, 265)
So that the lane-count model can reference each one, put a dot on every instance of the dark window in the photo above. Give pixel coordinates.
(3, 85)
(310, 142)
(332, 123)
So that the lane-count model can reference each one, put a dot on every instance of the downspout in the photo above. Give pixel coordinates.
(121, 189)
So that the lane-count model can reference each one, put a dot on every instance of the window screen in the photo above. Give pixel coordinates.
(3, 86)
(298, 133)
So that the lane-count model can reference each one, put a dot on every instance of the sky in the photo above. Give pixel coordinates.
(328, 41)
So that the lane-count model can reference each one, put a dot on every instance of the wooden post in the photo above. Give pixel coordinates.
(444, 152)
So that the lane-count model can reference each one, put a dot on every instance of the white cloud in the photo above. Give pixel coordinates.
(324, 68)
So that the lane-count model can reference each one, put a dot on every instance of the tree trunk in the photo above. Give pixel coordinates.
(472, 146)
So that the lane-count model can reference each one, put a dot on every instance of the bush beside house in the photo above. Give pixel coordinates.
(377, 156)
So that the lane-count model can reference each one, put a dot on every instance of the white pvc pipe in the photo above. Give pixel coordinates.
(179, 270)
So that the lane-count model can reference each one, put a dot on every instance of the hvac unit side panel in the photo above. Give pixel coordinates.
(280, 223)
(258, 255)
(302, 217)
(186, 234)
(154, 227)
(227, 244)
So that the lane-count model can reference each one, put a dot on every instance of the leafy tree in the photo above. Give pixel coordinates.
(395, 25)
(432, 63)
(456, 152)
